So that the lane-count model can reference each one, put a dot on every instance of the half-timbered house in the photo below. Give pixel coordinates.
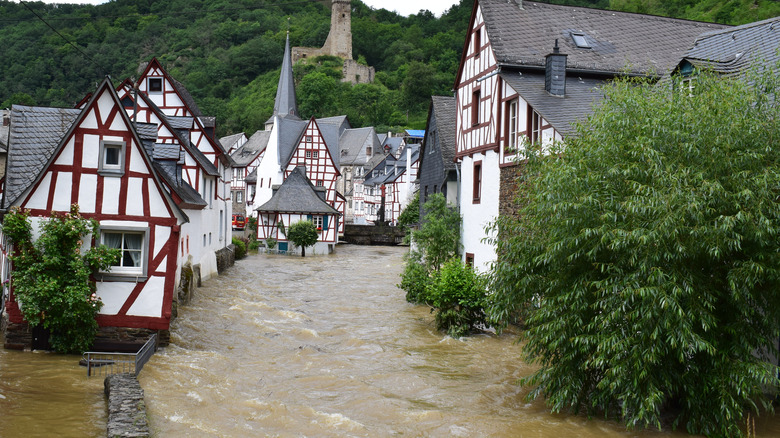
(294, 200)
(438, 168)
(530, 70)
(246, 158)
(96, 157)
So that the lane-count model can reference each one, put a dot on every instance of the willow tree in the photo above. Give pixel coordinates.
(645, 263)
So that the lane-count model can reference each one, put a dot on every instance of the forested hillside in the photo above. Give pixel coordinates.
(228, 52)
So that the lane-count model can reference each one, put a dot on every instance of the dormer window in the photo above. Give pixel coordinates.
(580, 41)
(155, 85)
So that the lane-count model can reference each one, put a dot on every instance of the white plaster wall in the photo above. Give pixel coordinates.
(478, 216)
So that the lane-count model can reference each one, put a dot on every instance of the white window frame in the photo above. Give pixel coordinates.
(315, 154)
(107, 169)
(317, 221)
(512, 126)
(127, 273)
(149, 85)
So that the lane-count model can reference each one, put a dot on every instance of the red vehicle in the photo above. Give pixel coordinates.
(239, 222)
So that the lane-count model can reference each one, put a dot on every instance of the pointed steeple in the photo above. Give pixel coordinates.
(285, 103)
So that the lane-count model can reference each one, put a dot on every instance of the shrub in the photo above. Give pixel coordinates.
(415, 279)
(240, 247)
(458, 295)
(270, 243)
(51, 276)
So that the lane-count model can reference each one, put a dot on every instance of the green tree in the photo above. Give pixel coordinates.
(51, 276)
(458, 295)
(302, 234)
(645, 262)
(410, 216)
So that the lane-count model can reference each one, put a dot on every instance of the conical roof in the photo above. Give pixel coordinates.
(285, 103)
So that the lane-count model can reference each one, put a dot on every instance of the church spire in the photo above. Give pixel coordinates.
(285, 103)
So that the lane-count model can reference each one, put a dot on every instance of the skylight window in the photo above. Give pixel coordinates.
(580, 41)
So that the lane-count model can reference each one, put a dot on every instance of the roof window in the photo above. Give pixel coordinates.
(580, 41)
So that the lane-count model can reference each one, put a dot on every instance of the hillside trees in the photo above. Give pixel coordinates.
(645, 261)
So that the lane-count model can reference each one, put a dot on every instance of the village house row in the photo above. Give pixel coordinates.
(144, 161)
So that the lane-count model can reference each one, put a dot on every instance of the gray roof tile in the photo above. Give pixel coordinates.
(35, 133)
(621, 41)
(352, 145)
(286, 102)
(445, 109)
(297, 195)
(561, 112)
(251, 149)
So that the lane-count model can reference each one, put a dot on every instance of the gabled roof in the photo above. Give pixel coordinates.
(351, 145)
(4, 130)
(247, 153)
(296, 195)
(252, 177)
(444, 108)
(35, 134)
(331, 135)
(341, 121)
(230, 140)
(180, 126)
(190, 198)
(522, 33)
(731, 51)
(286, 103)
(561, 112)
(289, 136)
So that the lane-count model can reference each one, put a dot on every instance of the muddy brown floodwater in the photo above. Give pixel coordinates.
(321, 346)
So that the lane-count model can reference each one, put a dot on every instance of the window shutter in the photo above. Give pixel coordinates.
(308, 217)
(325, 222)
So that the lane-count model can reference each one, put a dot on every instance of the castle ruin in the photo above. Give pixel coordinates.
(339, 43)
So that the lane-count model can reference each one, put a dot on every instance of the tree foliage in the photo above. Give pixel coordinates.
(302, 234)
(51, 276)
(646, 262)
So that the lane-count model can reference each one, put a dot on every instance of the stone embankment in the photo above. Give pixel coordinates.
(374, 235)
(126, 407)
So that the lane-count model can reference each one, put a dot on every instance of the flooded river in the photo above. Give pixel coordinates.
(327, 346)
(321, 346)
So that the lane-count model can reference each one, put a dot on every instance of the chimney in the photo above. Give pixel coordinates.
(555, 72)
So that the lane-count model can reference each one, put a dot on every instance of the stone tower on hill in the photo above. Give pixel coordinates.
(339, 43)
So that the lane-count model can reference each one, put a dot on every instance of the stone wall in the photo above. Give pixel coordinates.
(226, 257)
(126, 407)
(17, 336)
(373, 234)
(507, 205)
(356, 73)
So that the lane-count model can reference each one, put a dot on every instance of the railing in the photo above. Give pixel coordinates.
(104, 364)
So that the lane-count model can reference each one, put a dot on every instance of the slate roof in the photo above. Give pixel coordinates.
(230, 140)
(35, 134)
(4, 130)
(286, 102)
(444, 108)
(251, 149)
(561, 112)
(341, 121)
(252, 177)
(290, 132)
(620, 41)
(393, 142)
(146, 131)
(296, 195)
(177, 122)
(187, 97)
(351, 145)
(190, 197)
(731, 51)
(332, 135)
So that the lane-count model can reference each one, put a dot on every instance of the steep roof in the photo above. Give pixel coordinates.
(331, 134)
(521, 33)
(190, 198)
(286, 102)
(444, 107)
(229, 141)
(561, 112)
(341, 121)
(297, 195)
(731, 51)
(4, 130)
(290, 132)
(34, 136)
(351, 145)
(253, 147)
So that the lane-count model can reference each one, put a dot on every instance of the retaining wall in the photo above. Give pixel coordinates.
(126, 407)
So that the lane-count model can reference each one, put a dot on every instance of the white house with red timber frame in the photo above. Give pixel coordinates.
(513, 88)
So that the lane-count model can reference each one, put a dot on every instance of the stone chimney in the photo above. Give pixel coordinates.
(555, 72)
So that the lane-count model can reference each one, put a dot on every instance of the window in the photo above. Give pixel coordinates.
(308, 138)
(315, 154)
(320, 183)
(237, 172)
(308, 154)
(132, 244)
(470, 259)
(239, 198)
(155, 85)
(368, 151)
(511, 126)
(112, 158)
(477, 42)
(477, 188)
(475, 98)
(317, 221)
(580, 41)
(534, 129)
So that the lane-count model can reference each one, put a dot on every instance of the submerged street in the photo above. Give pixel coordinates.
(328, 346)
(321, 346)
